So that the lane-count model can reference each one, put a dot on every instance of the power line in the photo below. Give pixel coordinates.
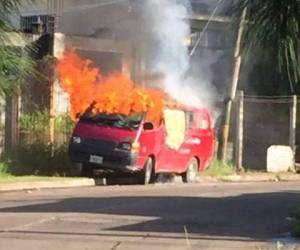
(205, 28)
(99, 4)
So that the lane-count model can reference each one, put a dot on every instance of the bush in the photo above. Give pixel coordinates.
(34, 155)
(3, 169)
(34, 126)
(37, 159)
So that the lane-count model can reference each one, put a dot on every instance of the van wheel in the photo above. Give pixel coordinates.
(190, 175)
(87, 171)
(148, 175)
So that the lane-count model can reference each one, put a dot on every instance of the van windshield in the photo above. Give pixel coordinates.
(113, 120)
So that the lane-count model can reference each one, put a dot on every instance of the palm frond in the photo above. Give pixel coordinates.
(274, 25)
(8, 7)
(15, 63)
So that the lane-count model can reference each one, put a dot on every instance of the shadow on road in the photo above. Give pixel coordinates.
(131, 179)
(258, 216)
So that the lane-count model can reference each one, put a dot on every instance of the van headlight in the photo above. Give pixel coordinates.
(125, 146)
(76, 139)
(128, 146)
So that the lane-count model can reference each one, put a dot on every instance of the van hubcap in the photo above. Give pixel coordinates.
(148, 171)
(192, 171)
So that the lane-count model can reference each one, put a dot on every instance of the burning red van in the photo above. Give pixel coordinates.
(183, 143)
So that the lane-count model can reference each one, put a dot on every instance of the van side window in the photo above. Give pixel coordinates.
(189, 119)
(201, 122)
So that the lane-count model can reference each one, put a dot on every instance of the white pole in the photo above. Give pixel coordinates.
(239, 131)
(293, 124)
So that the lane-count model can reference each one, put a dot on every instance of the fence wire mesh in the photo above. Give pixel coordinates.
(266, 123)
(35, 119)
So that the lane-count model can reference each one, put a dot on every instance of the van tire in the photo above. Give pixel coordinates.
(87, 171)
(191, 173)
(148, 174)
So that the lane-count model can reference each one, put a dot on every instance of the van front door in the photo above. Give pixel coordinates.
(169, 157)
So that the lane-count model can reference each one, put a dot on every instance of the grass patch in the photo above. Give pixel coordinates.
(218, 170)
(4, 176)
(7, 178)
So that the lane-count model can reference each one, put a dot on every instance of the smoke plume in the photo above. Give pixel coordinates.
(168, 33)
(162, 29)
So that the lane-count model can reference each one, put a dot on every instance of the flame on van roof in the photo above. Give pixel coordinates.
(115, 93)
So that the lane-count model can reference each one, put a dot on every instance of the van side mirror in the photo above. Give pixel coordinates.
(148, 126)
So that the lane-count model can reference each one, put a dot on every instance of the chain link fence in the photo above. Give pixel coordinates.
(266, 123)
(35, 115)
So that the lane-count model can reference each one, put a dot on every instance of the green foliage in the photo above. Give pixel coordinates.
(11, 6)
(15, 63)
(34, 155)
(38, 159)
(14, 69)
(35, 121)
(64, 124)
(35, 125)
(3, 168)
(274, 26)
(218, 169)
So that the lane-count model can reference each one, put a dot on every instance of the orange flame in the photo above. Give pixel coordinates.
(113, 94)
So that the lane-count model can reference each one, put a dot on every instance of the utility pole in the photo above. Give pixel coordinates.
(233, 87)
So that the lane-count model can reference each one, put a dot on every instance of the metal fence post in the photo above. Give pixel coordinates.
(239, 131)
(52, 117)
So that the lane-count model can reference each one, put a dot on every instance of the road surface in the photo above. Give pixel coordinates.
(161, 216)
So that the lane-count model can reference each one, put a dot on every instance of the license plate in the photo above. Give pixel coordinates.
(96, 159)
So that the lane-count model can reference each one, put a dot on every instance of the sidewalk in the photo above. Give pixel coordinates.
(85, 182)
(36, 185)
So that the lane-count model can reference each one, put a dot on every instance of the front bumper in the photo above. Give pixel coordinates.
(113, 159)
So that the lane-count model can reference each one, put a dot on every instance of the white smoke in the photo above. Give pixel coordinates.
(169, 28)
(159, 30)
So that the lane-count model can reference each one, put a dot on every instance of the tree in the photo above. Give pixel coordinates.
(15, 64)
(274, 26)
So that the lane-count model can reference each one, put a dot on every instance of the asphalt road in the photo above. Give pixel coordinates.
(161, 216)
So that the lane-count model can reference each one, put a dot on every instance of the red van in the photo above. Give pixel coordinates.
(183, 143)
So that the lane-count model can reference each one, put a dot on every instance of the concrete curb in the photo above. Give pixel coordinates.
(262, 177)
(35, 185)
(250, 178)
(85, 182)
